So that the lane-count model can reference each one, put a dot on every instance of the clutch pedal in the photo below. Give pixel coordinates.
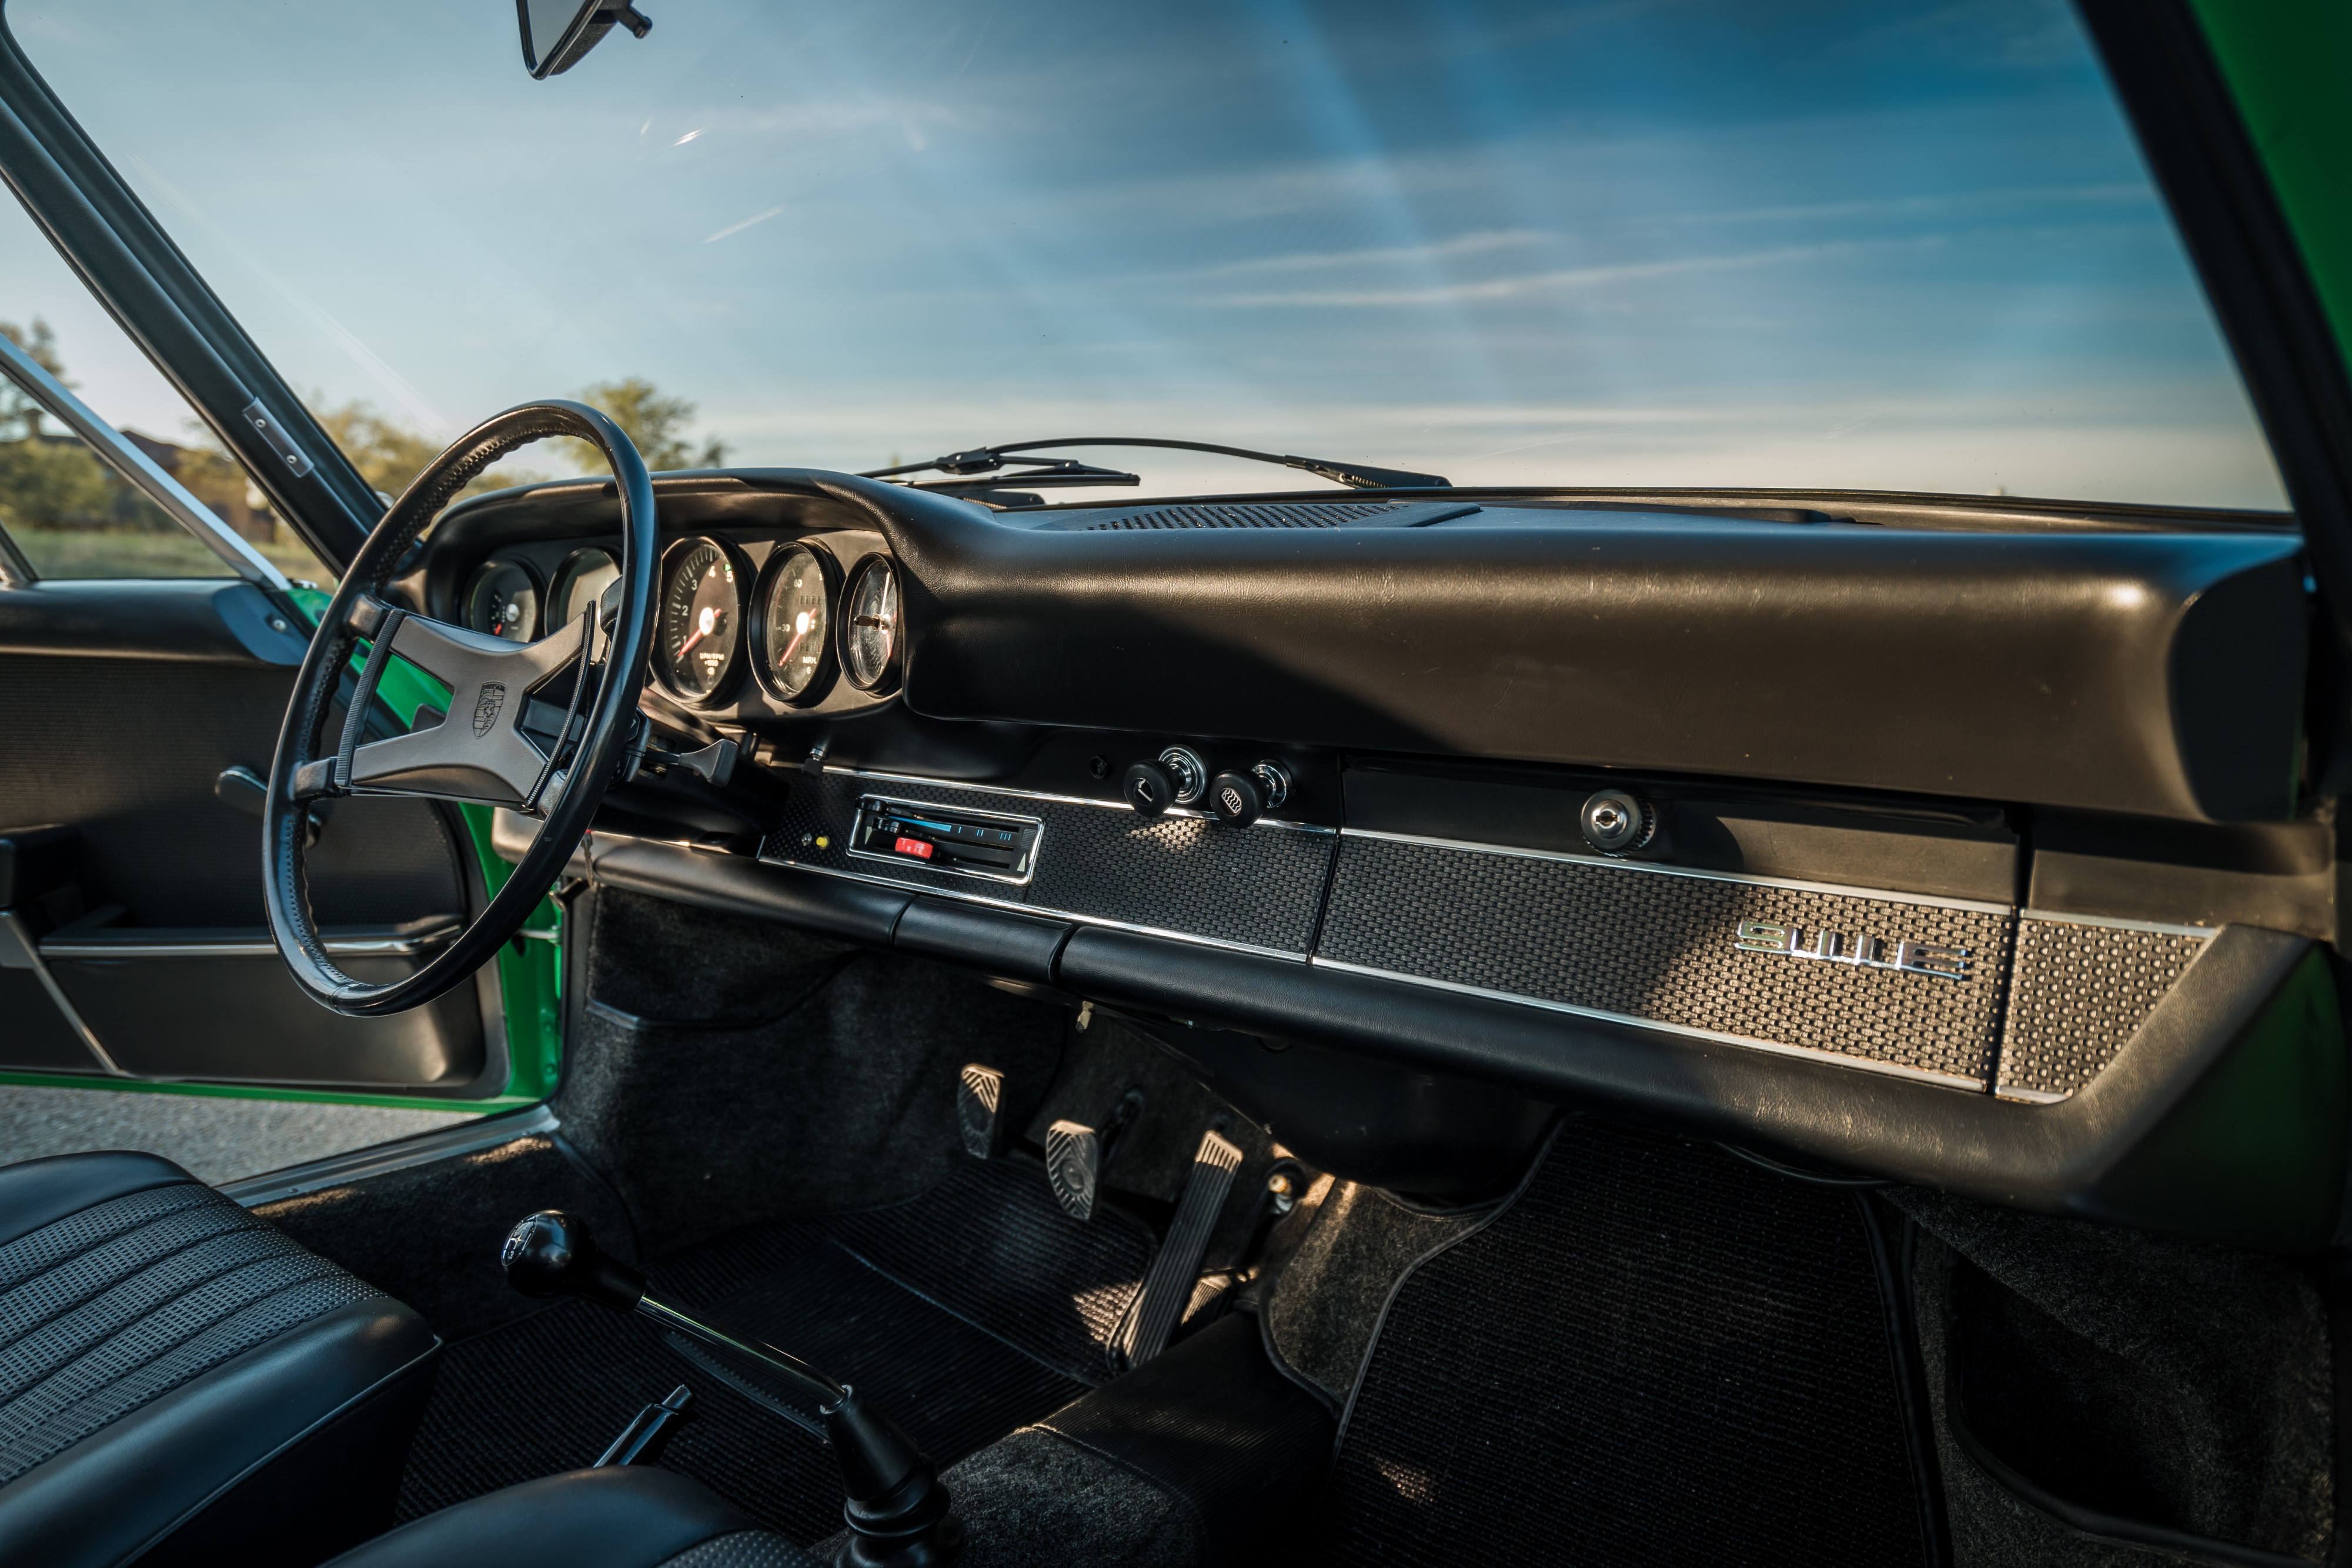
(1176, 1268)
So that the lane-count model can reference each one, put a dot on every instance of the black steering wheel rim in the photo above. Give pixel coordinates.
(301, 770)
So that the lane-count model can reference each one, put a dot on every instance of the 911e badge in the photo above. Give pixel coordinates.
(1861, 950)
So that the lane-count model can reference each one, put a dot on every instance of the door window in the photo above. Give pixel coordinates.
(67, 511)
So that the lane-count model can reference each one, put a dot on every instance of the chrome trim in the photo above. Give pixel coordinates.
(2051, 917)
(335, 1170)
(1655, 867)
(19, 951)
(2033, 1096)
(1029, 863)
(140, 469)
(1284, 954)
(1067, 800)
(341, 947)
(1943, 1080)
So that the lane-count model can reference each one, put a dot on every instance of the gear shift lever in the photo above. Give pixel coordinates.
(897, 1510)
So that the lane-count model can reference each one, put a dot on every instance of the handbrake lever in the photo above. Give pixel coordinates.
(897, 1510)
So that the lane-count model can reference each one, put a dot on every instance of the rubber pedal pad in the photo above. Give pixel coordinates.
(980, 1106)
(1176, 1266)
(1074, 1156)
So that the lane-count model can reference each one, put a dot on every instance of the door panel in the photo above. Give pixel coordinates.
(131, 700)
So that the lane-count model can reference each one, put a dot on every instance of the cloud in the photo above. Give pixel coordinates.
(1562, 279)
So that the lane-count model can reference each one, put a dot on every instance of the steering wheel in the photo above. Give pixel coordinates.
(500, 744)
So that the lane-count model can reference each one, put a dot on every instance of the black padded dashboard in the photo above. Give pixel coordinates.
(1978, 865)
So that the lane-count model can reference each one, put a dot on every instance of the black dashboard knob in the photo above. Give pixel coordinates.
(1236, 798)
(1148, 789)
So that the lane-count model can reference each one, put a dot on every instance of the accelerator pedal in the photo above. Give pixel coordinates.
(979, 1105)
(1176, 1268)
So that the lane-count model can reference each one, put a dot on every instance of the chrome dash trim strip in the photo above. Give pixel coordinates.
(336, 1170)
(1039, 909)
(1065, 799)
(2054, 918)
(1893, 1068)
(2033, 1096)
(1655, 867)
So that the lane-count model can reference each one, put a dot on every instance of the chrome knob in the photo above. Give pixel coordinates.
(1616, 823)
(1187, 772)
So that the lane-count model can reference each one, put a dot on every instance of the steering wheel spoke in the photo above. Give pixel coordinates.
(481, 751)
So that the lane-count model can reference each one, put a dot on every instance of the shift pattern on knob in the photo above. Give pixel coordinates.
(553, 1254)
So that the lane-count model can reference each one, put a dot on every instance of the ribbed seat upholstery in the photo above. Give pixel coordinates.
(175, 1374)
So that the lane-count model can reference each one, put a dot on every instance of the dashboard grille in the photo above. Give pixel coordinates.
(2079, 992)
(1257, 886)
(1660, 949)
(1266, 515)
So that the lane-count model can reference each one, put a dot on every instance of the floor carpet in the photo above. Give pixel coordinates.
(1658, 1354)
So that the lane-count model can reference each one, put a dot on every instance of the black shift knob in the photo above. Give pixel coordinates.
(551, 1254)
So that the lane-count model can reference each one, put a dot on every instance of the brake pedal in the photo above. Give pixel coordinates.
(1073, 1166)
(979, 1105)
(1168, 1289)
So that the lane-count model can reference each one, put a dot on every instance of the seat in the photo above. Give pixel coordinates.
(623, 1516)
(180, 1383)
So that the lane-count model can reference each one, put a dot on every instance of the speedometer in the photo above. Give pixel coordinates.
(701, 632)
(793, 642)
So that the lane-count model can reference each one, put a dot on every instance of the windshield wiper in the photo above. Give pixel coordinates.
(1048, 471)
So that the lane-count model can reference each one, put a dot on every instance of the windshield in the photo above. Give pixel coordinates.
(1708, 243)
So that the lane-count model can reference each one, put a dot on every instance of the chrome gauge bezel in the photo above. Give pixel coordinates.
(722, 691)
(503, 563)
(756, 623)
(563, 577)
(886, 680)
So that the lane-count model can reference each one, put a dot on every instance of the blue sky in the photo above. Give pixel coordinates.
(1657, 243)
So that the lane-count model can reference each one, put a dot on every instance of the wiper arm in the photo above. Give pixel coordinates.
(1051, 470)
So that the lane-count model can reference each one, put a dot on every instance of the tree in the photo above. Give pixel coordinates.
(20, 416)
(654, 423)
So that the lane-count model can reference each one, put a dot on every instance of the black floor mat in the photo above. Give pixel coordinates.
(970, 1310)
(1659, 1354)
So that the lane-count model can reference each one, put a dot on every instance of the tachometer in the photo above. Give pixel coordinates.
(795, 629)
(502, 598)
(701, 620)
(869, 625)
(581, 581)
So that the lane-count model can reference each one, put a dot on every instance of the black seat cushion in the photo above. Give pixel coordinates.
(177, 1378)
(625, 1517)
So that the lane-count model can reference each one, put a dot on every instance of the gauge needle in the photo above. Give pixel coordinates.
(709, 624)
(799, 635)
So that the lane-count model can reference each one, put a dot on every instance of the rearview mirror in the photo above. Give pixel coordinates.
(556, 33)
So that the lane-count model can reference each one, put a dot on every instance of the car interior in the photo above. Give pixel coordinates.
(1372, 1019)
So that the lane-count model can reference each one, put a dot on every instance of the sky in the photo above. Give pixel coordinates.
(1600, 242)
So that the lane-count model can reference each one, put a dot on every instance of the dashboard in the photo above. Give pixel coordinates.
(1952, 842)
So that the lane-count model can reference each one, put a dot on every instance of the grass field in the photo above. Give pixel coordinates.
(89, 553)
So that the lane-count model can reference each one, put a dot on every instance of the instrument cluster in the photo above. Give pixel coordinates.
(809, 621)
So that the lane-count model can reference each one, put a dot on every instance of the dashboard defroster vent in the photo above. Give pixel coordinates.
(1284, 515)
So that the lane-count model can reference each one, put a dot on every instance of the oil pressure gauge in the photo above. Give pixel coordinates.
(870, 626)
